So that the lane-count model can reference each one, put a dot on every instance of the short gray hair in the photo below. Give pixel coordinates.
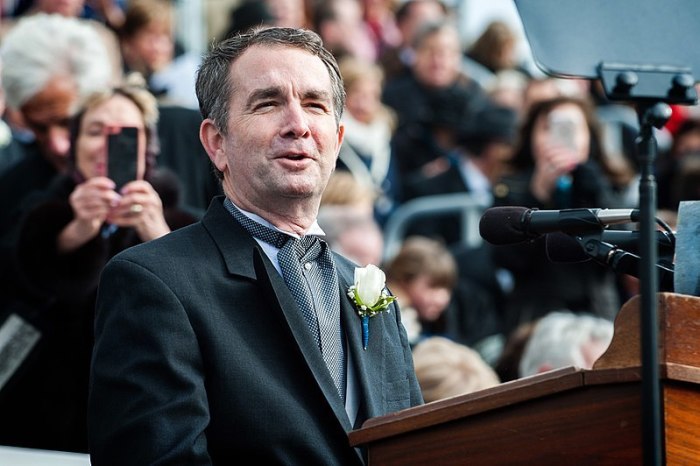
(214, 87)
(42, 46)
(558, 338)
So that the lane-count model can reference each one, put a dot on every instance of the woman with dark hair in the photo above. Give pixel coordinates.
(558, 164)
(65, 239)
(559, 161)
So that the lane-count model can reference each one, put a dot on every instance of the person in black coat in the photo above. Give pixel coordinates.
(429, 99)
(66, 237)
(555, 168)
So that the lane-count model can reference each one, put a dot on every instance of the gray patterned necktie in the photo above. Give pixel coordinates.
(309, 272)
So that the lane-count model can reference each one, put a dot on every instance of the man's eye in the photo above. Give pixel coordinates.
(265, 104)
(317, 105)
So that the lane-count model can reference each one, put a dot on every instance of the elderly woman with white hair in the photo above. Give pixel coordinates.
(51, 63)
(562, 338)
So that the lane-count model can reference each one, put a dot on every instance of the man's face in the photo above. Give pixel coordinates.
(47, 115)
(283, 140)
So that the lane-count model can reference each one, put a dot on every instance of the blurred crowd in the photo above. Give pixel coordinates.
(428, 117)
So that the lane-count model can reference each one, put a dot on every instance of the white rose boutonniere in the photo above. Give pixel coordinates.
(370, 296)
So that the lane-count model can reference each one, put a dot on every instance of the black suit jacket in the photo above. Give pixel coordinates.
(203, 357)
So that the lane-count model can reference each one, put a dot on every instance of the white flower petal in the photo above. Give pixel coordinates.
(369, 282)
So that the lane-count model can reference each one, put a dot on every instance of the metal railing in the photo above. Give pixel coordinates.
(469, 206)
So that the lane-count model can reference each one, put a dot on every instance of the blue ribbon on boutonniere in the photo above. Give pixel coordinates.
(370, 296)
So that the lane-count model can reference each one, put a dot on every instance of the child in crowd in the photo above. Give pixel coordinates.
(422, 276)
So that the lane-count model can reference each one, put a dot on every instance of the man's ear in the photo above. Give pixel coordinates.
(214, 143)
(341, 134)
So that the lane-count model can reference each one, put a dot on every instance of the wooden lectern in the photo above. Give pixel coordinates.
(564, 417)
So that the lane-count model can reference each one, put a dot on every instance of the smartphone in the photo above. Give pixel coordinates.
(122, 155)
(562, 129)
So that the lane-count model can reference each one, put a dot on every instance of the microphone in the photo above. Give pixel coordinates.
(563, 248)
(572, 248)
(509, 225)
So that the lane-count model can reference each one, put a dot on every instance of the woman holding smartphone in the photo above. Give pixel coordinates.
(558, 164)
(65, 239)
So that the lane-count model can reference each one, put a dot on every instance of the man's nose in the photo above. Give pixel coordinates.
(296, 121)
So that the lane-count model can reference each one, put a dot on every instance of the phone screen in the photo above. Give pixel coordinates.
(562, 129)
(122, 156)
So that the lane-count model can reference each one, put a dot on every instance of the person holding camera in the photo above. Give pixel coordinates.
(73, 227)
(559, 163)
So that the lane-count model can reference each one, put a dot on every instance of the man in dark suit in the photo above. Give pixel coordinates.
(202, 354)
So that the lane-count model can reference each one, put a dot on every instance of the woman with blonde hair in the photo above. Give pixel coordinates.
(68, 234)
(445, 369)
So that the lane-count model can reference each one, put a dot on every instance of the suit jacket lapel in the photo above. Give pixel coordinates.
(369, 362)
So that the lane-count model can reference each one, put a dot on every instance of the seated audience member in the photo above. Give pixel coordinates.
(436, 92)
(74, 228)
(148, 46)
(557, 164)
(351, 233)
(369, 126)
(66, 62)
(562, 339)
(344, 189)
(422, 276)
(410, 15)
(483, 147)
(446, 369)
(346, 216)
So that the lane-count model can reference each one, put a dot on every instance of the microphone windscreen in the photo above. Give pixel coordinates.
(503, 225)
(563, 248)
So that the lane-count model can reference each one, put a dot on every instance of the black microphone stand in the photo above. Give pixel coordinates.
(651, 87)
